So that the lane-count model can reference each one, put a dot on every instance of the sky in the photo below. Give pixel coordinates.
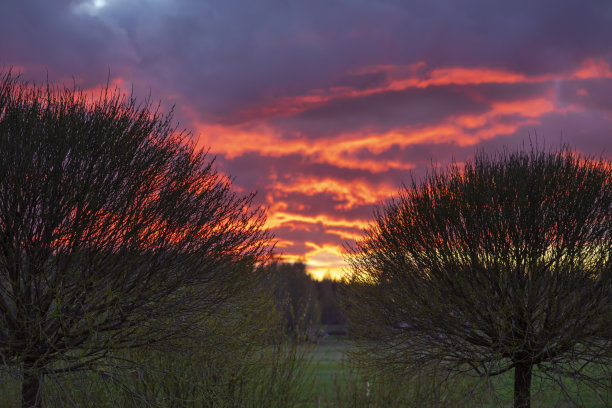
(327, 107)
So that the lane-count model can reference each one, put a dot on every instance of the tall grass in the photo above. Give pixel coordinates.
(237, 356)
(270, 377)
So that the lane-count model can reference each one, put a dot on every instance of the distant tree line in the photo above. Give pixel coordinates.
(305, 303)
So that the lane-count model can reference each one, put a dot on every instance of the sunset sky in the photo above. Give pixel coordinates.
(326, 107)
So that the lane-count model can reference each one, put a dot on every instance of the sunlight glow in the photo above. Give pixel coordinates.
(90, 7)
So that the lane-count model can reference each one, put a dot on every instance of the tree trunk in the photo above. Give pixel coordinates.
(31, 385)
(522, 385)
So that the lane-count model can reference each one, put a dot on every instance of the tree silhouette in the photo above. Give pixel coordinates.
(505, 264)
(115, 232)
(295, 294)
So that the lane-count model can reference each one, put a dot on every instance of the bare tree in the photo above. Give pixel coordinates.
(505, 264)
(115, 232)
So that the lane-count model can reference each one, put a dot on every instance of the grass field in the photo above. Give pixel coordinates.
(331, 382)
(336, 384)
(328, 364)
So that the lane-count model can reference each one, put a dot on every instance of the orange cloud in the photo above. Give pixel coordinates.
(403, 77)
(277, 219)
(234, 140)
(338, 150)
(528, 108)
(345, 234)
(325, 259)
(350, 194)
(284, 243)
(341, 150)
(593, 68)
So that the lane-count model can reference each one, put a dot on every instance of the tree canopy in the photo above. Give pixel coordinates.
(502, 264)
(112, 225)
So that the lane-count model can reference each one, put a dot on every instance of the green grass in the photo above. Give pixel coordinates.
(339, 385)
(325, 379)
(328, 363)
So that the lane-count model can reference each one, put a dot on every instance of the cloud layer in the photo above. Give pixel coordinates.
(327, 107)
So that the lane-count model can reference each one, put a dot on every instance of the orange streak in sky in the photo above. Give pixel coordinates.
(338, 150)
(402, 78)
(530, 108)
(348, 235)
(233, 141)
(405, 77)
(353, 193)
(280, 218)
(284, 243)
(593, 68)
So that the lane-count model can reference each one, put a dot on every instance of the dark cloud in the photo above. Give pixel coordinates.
(223, 56)
(588, 94)
(498, 92)
(383, 111)
(361, 81)
(291, 166)
(323, 203)
(585, 130)
(531, 37)
(51, 37)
